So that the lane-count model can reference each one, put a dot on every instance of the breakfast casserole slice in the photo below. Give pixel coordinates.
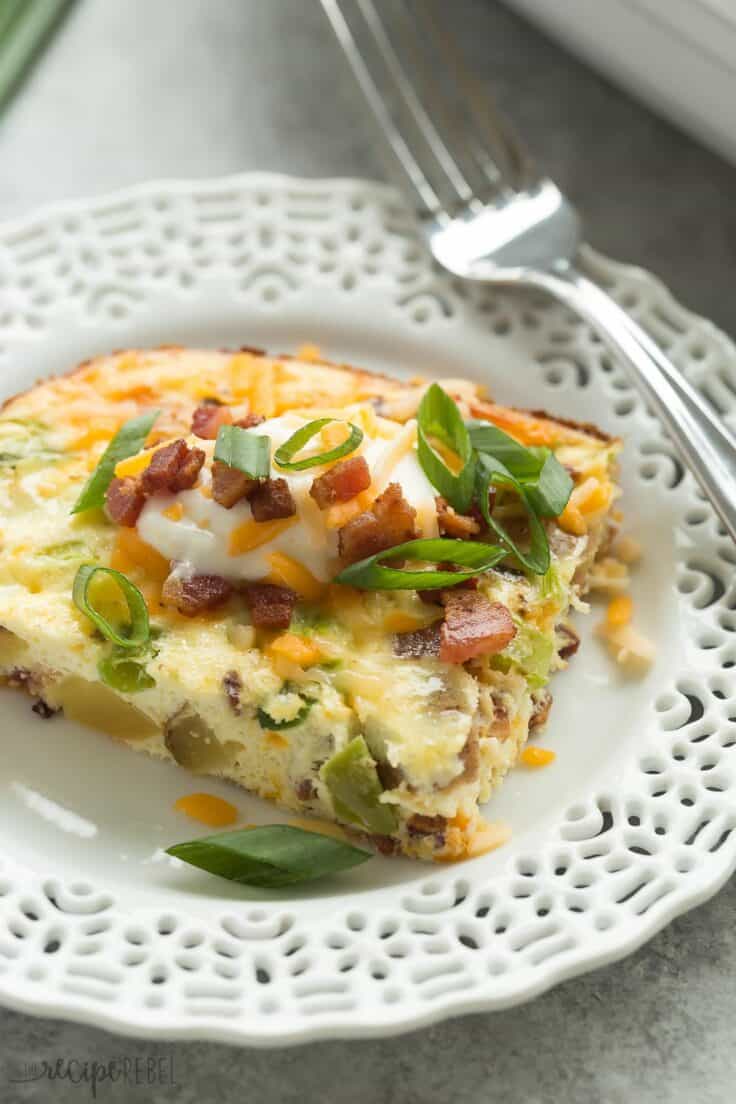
(344, 592)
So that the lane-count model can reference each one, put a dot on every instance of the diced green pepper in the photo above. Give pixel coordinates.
(532, 651)
(355, 788)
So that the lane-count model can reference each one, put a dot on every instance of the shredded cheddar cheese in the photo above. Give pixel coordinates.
(131, 551)
(288, 572)
(537, 757)
(296, 649)
(620, 610)
(252, 534)
(174, 512)
(213, 811)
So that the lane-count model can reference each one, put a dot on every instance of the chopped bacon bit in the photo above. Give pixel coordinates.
(470, 758)
(452, 524)
(189, 471)
(384, 844)
(196, 594)
(420, 825)
(305, 790)
(418, 644)
(572, 641)
(270, 606)
(388, 523)
(395, 514)
(473, 626)
(272, 499)
(125, 499)
(208, 418)
(172, 468)
(164, 464)
(249, 421)
(230, 485)
(43, 710)
(341, 483)
(540, 710)
(436, 597)
(360, 537)
(390, 776)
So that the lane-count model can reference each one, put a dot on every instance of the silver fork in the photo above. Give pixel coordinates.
(488, 215)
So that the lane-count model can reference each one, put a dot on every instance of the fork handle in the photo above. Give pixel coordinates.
(703, 442)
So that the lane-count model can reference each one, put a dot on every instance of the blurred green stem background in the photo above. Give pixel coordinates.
(25, 28)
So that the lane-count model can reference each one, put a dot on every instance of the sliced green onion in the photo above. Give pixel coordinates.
(285, 453)
(547, 483)
(271, 857)
(67, 550)
(25, 26)
(531, 650)
(266, 721)
(438, 416)
(550, 493)
(240, 448)
(491, 471)
(122, 672)
(370, 574)
(523, 463)
(138, 630)
(128, 441)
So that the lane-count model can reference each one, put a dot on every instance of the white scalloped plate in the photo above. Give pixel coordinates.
(633, 824)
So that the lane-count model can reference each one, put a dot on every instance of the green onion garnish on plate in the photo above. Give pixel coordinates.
(270, 857)
(284, 455)
(25, 26)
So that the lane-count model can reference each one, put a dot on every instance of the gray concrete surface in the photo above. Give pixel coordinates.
(142, 89)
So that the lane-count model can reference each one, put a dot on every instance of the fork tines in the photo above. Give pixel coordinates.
(446, 136)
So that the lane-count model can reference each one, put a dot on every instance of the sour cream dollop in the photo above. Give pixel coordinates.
(199, 539)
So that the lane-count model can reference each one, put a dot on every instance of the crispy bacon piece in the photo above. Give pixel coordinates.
(341, 483)
(418, 644)
(452, 524)
(196, 594)
(272, 499)
(188, 473)
(174, 467)
(572, 641)
(305, 790)
(386, 845)
(125, 499)
(421, 825)
(249, 421)
(470, 759)
(473, 626)
(540, 710)
(360, 537)
(230, 485)
(390, 776)
(390, 521)
(207, 419)
(270, 606)
(395, 515)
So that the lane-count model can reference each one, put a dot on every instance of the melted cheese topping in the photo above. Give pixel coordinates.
(207, 539)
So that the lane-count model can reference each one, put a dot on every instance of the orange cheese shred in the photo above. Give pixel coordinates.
(213, 811)
(537, 757)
